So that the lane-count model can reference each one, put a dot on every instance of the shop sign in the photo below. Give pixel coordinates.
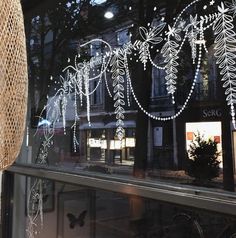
(129, 142)
(206, 113)
(95, 143)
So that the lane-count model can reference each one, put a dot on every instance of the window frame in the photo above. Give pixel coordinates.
(200, 197)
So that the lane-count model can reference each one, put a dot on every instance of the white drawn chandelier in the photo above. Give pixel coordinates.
(77, 76)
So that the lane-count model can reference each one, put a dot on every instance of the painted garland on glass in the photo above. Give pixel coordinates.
(76, 77)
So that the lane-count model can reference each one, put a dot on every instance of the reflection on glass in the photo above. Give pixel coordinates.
(92, 213)
(150, 148)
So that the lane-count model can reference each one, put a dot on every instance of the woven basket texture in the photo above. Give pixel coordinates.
(13, 81)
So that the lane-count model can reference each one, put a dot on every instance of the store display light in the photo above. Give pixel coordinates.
(94, 143)
(104, 144)
(129, 142)
(117, 144)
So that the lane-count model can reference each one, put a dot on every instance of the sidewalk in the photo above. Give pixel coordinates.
(170, 176)
(176, 176)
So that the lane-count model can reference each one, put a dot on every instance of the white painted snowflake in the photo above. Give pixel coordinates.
(222, 8)
(212, 2)
(174, 32)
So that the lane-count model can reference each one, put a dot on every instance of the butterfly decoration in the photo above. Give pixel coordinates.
(77, 220)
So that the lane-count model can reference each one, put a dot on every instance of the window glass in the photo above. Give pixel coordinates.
(131, 88)
(74, 211)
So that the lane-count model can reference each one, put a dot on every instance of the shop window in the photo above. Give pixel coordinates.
(97, 97)
(95, 48)
(70, 211)
(123, 37)
(206, 88)
(65, 36)
(158, 80)
(126, 129)
(207, 130)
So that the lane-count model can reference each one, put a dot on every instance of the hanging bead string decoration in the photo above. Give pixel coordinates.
(191, 30)
(13, 81)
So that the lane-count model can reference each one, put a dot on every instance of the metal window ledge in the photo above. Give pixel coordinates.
(220, 202)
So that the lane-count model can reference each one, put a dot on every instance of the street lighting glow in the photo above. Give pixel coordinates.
(108, 15)
(97, 2)
(44, 122)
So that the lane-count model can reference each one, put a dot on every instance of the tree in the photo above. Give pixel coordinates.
(49, 34)
(203, 163)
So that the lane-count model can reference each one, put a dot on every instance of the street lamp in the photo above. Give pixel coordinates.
(109, 15)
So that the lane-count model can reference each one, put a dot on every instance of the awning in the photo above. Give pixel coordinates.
(94, 125)
(101, 125)
(127, 124)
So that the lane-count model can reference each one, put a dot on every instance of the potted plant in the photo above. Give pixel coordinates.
(202, 161)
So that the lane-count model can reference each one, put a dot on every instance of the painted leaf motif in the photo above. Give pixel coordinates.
(170, 55)
(118, 72)
(157, 30)
(225, 53)
(143, 32)
(155, 40)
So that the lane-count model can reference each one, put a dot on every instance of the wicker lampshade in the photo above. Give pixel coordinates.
(13, 81)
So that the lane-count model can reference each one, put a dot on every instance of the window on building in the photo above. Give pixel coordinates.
(97, 97)
(123, 37)
(206, 88)
(158, 80)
